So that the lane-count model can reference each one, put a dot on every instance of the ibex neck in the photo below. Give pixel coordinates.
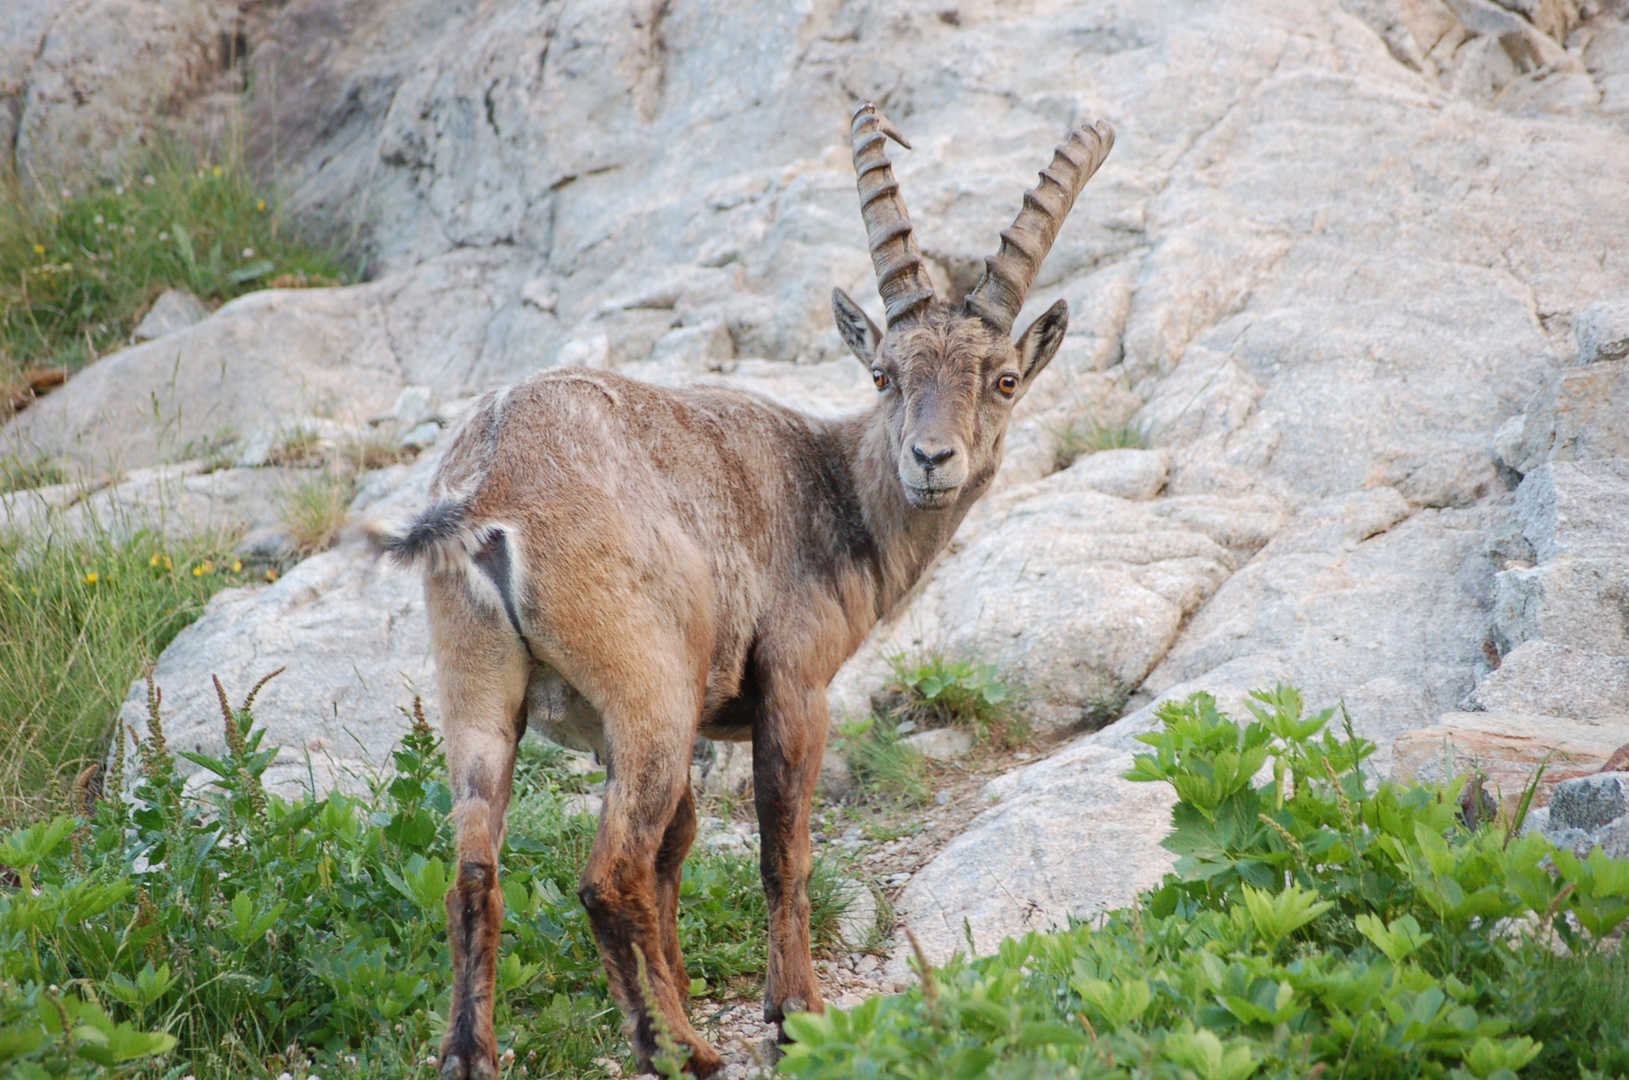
(907, 539)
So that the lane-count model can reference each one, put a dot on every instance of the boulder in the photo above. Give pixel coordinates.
(1066, 839)
(1603, 332)
(1127, 474)
(1590, 802)
(175, 309)
(1507, 748)
(1543, 677)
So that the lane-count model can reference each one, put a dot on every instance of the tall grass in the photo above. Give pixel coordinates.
(80, 617)
(79, 265)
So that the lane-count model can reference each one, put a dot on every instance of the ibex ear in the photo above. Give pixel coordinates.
(860, 334)
(1039, 344)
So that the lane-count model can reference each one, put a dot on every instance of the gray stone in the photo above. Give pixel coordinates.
(1579, 603)
(1603, 332)
(1580, 414)
(1590, 802)
(836, 783)
(1578, 509)
(1614, 839)
(1066, 839)
(177, 500)
(175, 309)
(941, 744)
(858, 923)
(1125, 474)
(1543, 677)
(420, 436)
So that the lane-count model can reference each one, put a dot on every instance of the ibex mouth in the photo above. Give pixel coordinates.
(930, 498)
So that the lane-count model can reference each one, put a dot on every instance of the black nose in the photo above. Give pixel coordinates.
(932, 457)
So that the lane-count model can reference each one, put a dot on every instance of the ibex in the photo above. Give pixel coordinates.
(627, 566)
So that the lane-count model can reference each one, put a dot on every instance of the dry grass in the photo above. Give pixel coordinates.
(314, 510)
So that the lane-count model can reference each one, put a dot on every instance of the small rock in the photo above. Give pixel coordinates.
(941, 798)
(896, 880)
(855, 925)
(1603, 332)
(420, 436)
(413, 406)
(836, 782)
(1125, 474)
(538, 294)
(1590, 802)
(255, 451)
(866, 964)
(591, 805)
(1614, 839)
(730, 774)
(176, 310)
(269, 544)
(941, 744)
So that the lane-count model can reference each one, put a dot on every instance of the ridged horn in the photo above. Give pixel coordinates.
(901, 278)
(1009, 273)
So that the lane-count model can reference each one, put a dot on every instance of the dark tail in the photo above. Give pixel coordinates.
(432, 537)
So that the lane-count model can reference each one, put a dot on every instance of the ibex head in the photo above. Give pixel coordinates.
(949, 374)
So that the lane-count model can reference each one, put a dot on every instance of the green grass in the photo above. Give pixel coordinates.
(308, 935)
(78, 266)
(1088, 434)
(20, 473)
(883, 766)
(80, 617)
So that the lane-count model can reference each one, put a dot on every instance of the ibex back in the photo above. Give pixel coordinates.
(626, 566)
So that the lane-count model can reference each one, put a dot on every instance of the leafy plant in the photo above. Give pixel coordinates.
(1318, 919)
(257, 934)
(940, 692)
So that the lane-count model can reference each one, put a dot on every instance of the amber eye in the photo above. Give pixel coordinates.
(880, 377)
(1008, 385)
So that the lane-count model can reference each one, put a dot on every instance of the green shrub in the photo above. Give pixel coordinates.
(940, 692)
(80, 617)
(78, 266)
(1318, 921)
(308, 935)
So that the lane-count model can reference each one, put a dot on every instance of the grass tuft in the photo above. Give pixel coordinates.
(1088, 434)
(314, 510)
(882, 763)
(79, 266)
(21, 474)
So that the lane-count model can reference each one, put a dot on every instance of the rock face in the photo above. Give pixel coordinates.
(1589, 812)
(1356, 267)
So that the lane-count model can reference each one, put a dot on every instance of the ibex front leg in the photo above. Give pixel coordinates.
(483, 683)
(786, 748)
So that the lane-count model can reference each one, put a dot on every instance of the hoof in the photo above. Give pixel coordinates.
(468, 1064)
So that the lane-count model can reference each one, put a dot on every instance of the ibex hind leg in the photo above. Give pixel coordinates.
(630, 886)
(482, 668)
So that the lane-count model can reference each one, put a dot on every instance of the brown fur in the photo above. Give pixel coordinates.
(627, 566)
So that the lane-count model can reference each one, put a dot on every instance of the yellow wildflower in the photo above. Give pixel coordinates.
(39, 249)
(161, 561)
(92, 578)
(237, 566)
(260, 204)
(217, 170)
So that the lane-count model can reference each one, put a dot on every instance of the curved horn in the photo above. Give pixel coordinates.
(901, 278)
(1009, 273)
